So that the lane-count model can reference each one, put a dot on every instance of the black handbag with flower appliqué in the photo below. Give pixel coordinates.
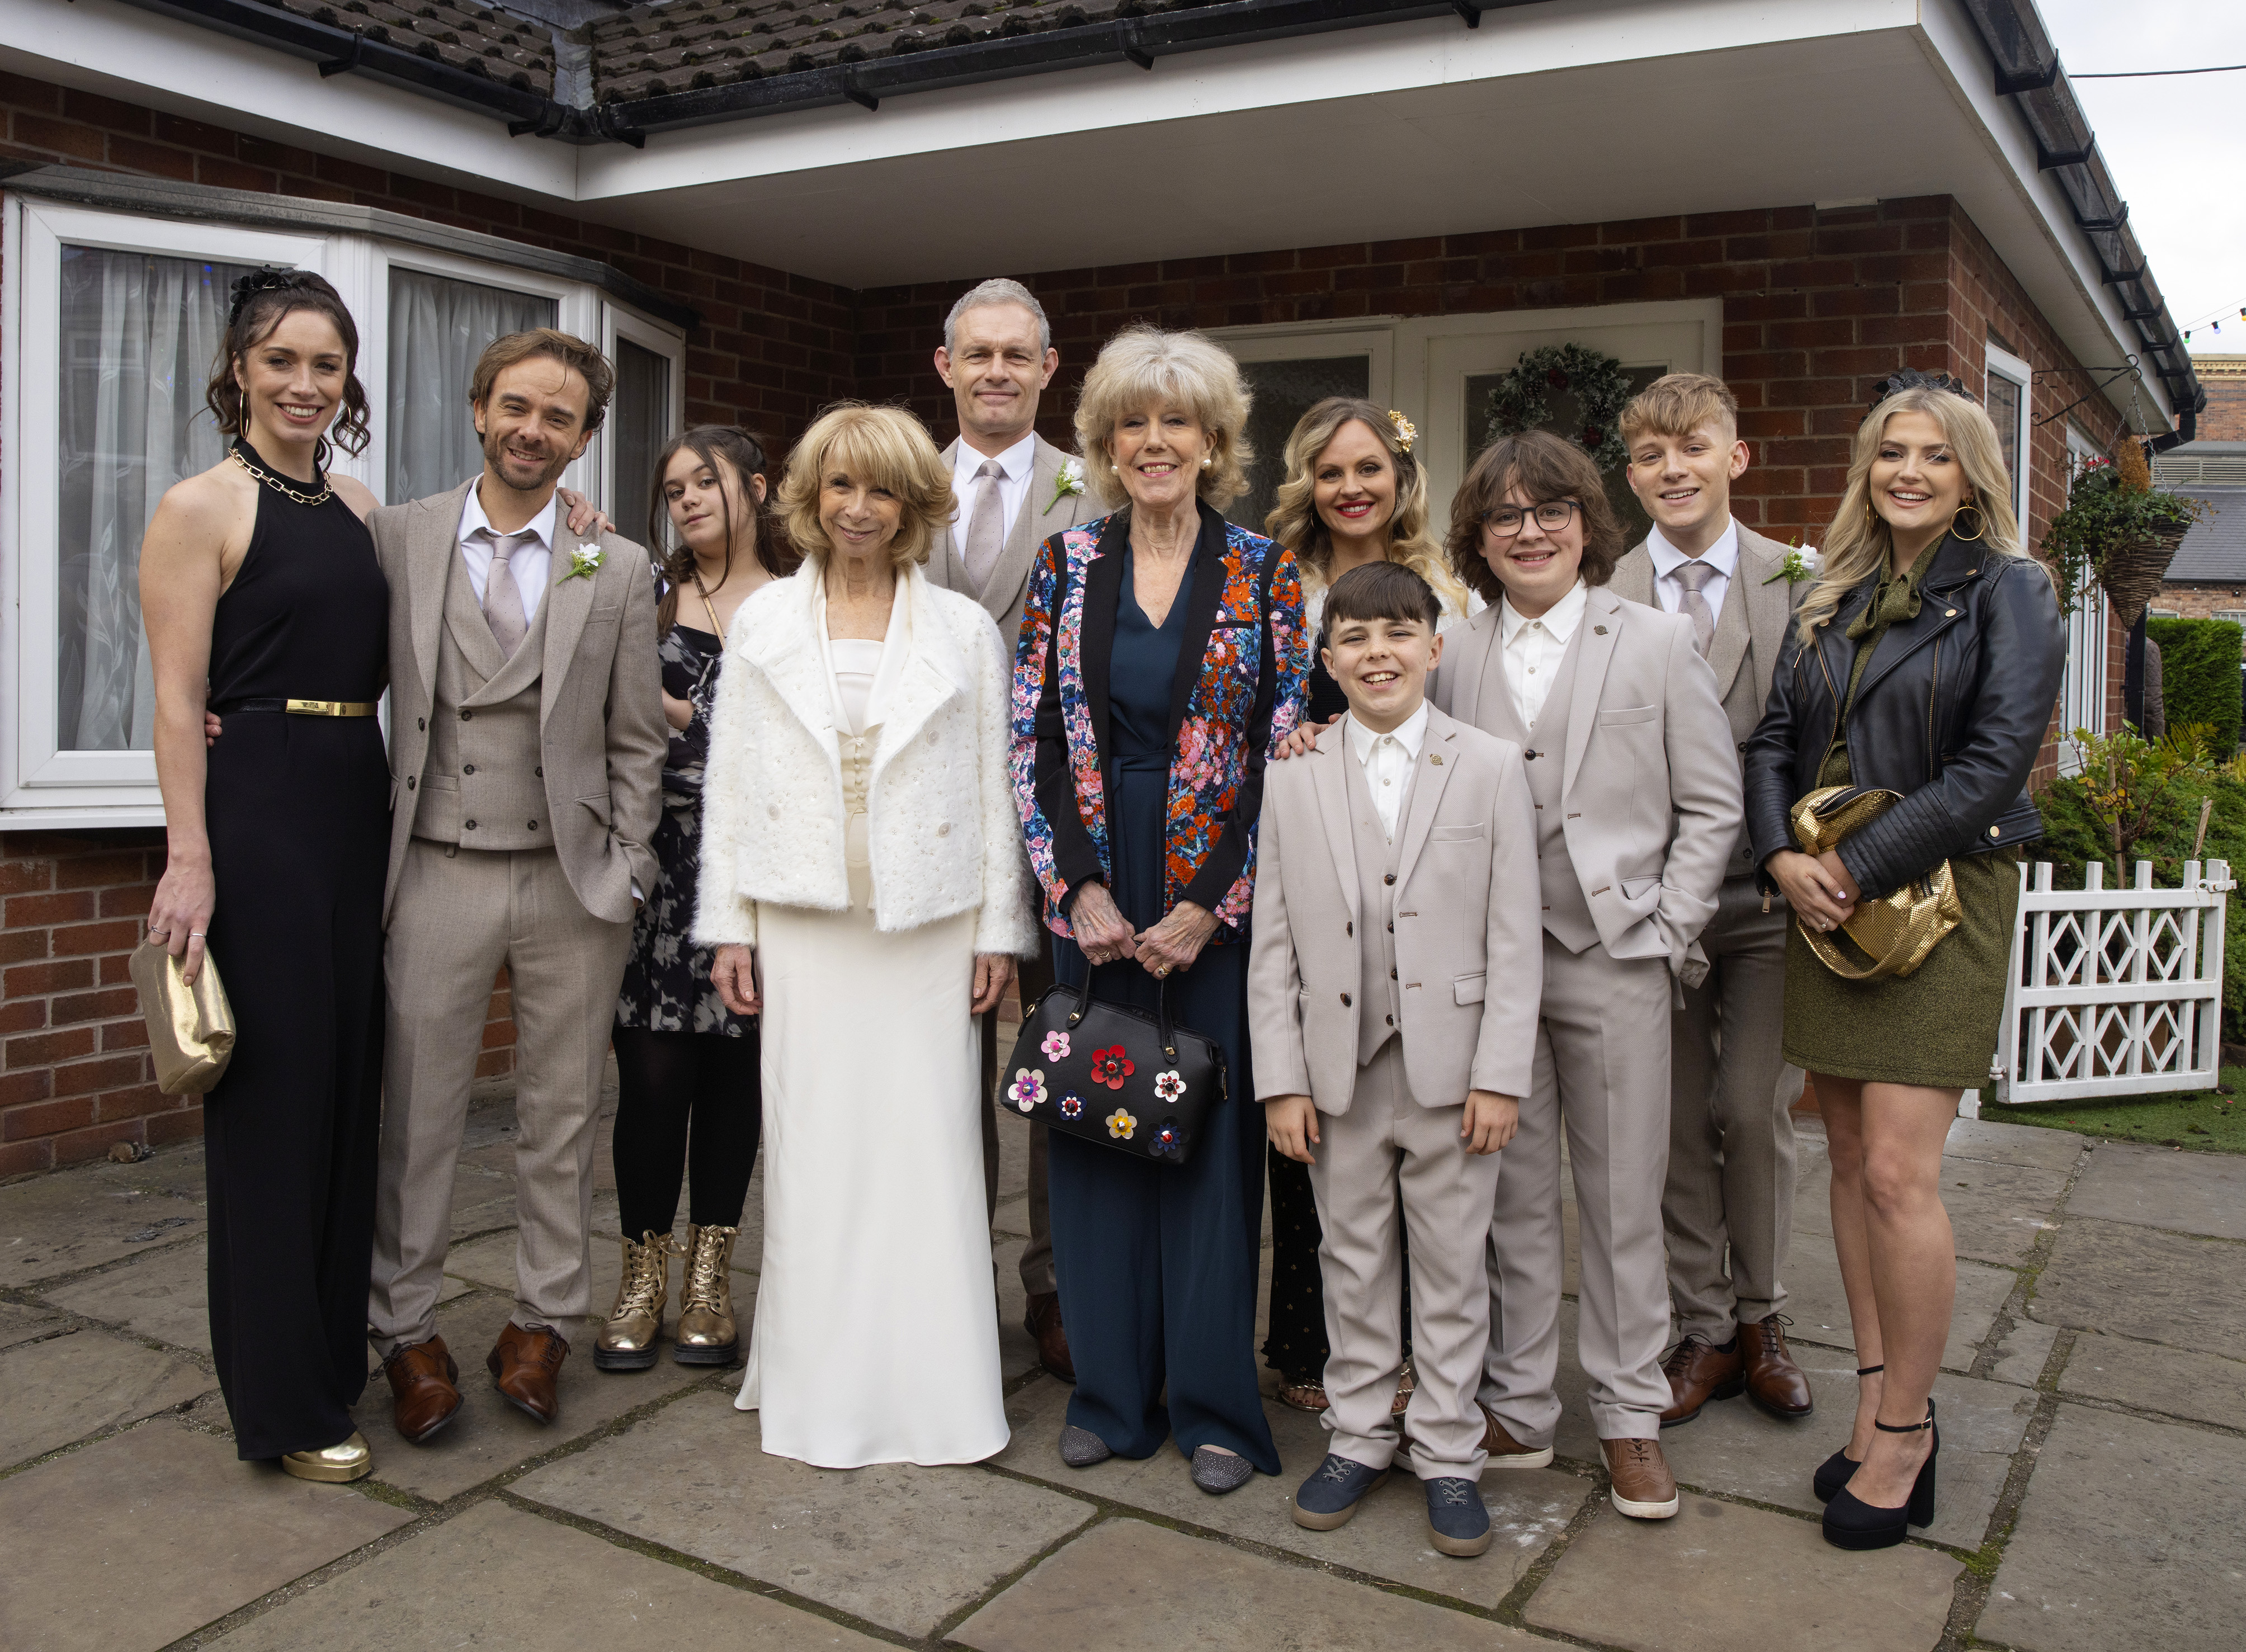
(1114, 1076)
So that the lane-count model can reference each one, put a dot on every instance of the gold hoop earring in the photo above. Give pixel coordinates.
(1871, 518)
(1980, 523)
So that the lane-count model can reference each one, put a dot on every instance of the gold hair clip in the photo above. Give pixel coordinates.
(1406, 431)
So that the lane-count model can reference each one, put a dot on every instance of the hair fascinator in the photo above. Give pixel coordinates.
(1911, 379)
(271, 279)
(1406, 431)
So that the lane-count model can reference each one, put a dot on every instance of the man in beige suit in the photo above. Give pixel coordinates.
(1637, 798)
(1393, 977)
(526, 742)
(1731, 1092)
(1015, 491)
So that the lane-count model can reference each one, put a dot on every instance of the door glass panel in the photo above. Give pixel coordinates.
(437, 328)
(1284, 391)
(639, 424)
(139, 338)
(1566, 420)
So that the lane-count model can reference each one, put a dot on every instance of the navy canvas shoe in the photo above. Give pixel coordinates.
(1456, 1517)
(1331, 1495)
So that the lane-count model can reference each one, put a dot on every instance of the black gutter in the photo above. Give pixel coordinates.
(2029, 73)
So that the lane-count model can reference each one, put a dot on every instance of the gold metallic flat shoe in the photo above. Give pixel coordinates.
(627, 1341)
(707, 1335)
(352, 1460)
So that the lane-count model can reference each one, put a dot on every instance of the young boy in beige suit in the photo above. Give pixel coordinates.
(1393, 978)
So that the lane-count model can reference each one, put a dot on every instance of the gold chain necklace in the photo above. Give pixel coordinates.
(327, 488)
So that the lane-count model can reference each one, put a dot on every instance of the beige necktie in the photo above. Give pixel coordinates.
(502, 598)
(1692, 575)
(986, 529)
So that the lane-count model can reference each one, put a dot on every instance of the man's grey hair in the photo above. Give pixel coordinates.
(999, 290)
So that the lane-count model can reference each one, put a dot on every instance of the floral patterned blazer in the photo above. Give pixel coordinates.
(1245, 627)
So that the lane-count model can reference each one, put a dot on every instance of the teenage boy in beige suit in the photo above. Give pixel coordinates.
(1015, 491)
(1731, 1092)
(1393, 975)
(526, 743)
(1637, 799)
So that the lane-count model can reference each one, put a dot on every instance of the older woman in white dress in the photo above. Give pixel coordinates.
(864, 880)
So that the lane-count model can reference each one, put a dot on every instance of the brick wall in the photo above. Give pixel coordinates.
(2225, 376)
(2200, 601)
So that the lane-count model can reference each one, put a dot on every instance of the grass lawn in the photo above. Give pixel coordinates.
(2209, 1120)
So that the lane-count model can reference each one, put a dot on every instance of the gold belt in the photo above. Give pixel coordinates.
(330, 707)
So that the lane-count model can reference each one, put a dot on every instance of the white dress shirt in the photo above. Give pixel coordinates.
(1017, 461)
(1723, 557)
(533, 560)
(1387, 760)
(1533, 649)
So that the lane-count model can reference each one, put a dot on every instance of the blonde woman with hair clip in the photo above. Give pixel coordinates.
(1925, 662)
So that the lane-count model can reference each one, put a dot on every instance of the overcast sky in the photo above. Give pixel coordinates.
(2177, 145)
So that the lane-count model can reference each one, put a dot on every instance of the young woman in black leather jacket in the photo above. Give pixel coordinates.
(1926, 661)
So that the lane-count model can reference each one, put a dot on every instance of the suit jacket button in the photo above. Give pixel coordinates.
(466, 714)
(409, 782)
(467, 768)
(1391, 1021)
(1392, 975)
(533, 825)
(541, 773)
(1344, 1001)
(422, 723)
(1389, 877)
(470, 824)
(1349, 928)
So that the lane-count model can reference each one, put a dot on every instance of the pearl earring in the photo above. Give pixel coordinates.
(1205, 461)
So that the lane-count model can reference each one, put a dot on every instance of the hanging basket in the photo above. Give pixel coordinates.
(2132, 573)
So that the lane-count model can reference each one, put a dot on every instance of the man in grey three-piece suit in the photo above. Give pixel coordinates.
(1015, 491)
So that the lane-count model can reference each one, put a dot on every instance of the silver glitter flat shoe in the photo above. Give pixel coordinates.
(1217, 1472)
(1081, 1448)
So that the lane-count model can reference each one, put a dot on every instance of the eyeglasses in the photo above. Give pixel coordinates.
(1552, 515)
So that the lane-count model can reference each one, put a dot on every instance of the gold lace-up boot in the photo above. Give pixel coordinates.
(707, 1335)
(627, 1341)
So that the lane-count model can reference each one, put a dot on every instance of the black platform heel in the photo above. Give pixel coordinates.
(1851, 1523)
(1833, 1473)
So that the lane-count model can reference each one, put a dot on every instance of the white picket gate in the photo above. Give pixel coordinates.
(2113, 992)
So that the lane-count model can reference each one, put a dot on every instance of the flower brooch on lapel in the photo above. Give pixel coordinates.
(1111, 1067)
(1121, 1125)
(1799, 565)
(1028, 1088)
(584, 562)
(1068, 483)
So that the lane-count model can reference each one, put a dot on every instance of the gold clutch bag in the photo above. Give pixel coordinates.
(1899, 930)
(190, 1029)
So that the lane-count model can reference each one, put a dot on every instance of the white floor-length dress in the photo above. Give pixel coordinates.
(877, 1337)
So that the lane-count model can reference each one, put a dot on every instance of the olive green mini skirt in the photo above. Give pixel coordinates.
(1937, 1026)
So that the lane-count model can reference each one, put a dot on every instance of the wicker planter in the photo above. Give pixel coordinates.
(2131, 573)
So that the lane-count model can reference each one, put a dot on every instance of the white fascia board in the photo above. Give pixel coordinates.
(183, 68)
(2027, 220)
(1347, 64)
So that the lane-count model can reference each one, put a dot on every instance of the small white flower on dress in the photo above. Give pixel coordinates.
(1169, 1085)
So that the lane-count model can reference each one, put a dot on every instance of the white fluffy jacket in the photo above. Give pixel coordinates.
(943, 834)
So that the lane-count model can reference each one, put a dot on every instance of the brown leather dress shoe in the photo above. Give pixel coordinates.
(424, 1391)
(1043, 1324)
(1505, 1452)
(1640, 1483)
(1697, 1372)
(524, 1363)
(1774, 1382)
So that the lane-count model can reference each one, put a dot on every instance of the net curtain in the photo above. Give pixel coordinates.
(437, 328)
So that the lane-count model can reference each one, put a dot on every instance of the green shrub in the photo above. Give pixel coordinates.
(2200, 676)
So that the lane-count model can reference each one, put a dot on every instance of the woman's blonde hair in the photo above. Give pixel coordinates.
(883, 447)
(1295, 523)
(1144, 367)
(1858, 544)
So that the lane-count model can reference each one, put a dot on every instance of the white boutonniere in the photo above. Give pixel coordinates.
(1071, 480)
(1800, 564)
(584, 562)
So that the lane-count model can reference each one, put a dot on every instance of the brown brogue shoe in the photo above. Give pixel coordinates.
(1640, 1483)
(424, 1388)
(1043, 1324)
(525, 1363)
(1774, 1382)
(1697, 1372)
(1505, 1452)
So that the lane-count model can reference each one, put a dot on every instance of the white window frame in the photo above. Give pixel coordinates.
(2002, 364)
(600, 457)
(41, 787)
(2089, 640)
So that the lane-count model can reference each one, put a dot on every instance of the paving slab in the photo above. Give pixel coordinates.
(66, 1387)
(2129, 1537)
(1997, 1210)
(177, 1170)
(2148, 1377)
(490, 1436)
(481, 1579)
(147, 1536)
(1690, 1584)
(1994, 1138)
(1735, 1449)
(489, 1262)
(902, 1547)
(1128, 1587)
(2023, 1352)
(55, 1225)
(2144, 1282)
(21, 1324)
(1819, 1307)
(1388, 1538)
(2159, 1187)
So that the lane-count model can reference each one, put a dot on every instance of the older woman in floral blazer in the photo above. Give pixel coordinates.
(1161, 652)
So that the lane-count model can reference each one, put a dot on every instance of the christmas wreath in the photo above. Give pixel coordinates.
(1522, 400)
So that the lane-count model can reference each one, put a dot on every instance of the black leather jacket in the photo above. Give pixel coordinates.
(1951, 712)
